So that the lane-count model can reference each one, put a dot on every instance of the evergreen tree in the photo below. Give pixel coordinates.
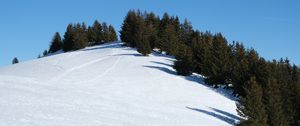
(128, 29)
(201, 47)
(141, 35)
(15, 60)
(91, 36)
(45, 53)
(68, 42)
(220, 61)
(186, 31)
(97, 33)
(168, 36)
(274, 104)
(163, 35)
(112, 33)
(152, 25)
(80, 37)
(184, 62)
(251, 107)
(106, 34)
(56, 43)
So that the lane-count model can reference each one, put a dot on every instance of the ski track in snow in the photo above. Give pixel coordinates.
(78, 67)
(107, 70)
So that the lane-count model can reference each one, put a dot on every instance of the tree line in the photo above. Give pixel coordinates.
(78, 36)
(268, 91)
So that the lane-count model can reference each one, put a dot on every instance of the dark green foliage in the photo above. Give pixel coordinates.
(184, 61)
(45, 53)
(56, 43)
(274, 103)
(201, 47)
(112, 34)
(152, 24)
(186, 31)
(128, 29)
(97, 33)
(15, 60)
(80, 36)
(68, 42)
(219, 67)
(141, 35)
(106, 35)
(251, 106)
(168, 40)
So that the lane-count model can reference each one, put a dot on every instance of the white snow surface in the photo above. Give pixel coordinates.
(108, 85)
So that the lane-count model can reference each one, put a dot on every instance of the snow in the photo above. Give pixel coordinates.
(109, 85)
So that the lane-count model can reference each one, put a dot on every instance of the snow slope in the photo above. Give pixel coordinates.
(108, 85)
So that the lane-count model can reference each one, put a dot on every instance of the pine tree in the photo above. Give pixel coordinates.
(141, 35)
(105, 32)
(186, 31)
(184, 62)
(274, 104)
(112, 33)
(128, 28)
(91, 36)
(163, 35)
(80, 37)
(201, 47)
(15, 60)
(97, 33)
(56, 43)
(220, 60)
(45, 53)
(168, 35)
(68, 42)
(251, 107)
(152, 24)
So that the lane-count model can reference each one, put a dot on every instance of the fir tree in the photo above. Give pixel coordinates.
(91, 36)
(251, 107)
(45, 53)
(274, 104)
(141, 35)
(56, 43)
(152, 25)
(186, 31)
(80, 37)
(128, 28)
(97, 33)
(15, 60)
(105, 32)
(68, 42)
(184, 62)
(112, 33)
(220, 60)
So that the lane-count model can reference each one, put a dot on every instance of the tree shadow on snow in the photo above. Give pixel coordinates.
(225, 113)
(104, 46)
(217, 114)
(129, 54)
(194, 78)
(167, 70)
(161, 63)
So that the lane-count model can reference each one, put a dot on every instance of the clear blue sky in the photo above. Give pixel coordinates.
(271, 27)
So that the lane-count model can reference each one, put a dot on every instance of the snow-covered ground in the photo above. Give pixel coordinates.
(108, 85)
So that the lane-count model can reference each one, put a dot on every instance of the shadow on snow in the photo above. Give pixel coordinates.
(194, 78)
(219, 114)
